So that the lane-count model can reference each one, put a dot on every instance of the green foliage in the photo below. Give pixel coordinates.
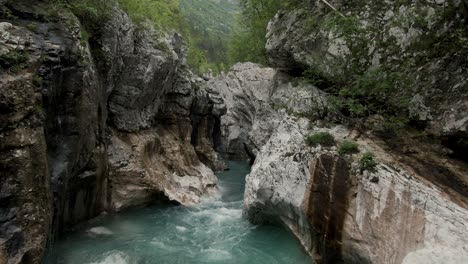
(345, 26)
(322, 138)
(368, 162)
(84, 37)
(248, 41)
(205, 24)
(89, 11)
(348, 147)
(13, 58)
(375, 92)
(208, 25)
(312, 76)
(163, 14)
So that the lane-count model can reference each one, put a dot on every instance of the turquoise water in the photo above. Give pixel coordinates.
(213, 232)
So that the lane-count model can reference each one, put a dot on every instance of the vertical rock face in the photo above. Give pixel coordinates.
(253, 95)
(41, 144)
(245, 90)
(341, 215)
(89, 126)
(413, 209)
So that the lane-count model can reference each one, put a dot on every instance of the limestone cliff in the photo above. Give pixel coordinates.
(424, 42)
(412, 209)
(94, 123)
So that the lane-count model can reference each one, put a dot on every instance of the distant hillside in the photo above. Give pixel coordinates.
(210, 23)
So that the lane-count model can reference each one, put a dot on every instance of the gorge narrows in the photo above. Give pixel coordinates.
(119, 118)
(211, 232)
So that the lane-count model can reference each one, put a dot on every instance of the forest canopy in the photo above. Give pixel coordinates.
(219, 33)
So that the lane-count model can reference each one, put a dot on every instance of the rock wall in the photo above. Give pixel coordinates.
(94, 125)
(423, 41)
(253, 94)
(340, 215)
(413, 209)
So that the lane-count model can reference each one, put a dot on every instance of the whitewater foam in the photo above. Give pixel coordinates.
(181, 228)
(114, 258)
(99, 231)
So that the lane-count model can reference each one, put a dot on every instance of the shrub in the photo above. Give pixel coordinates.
(323, 138)
(375, 92)
(348, 147)
(367, 162)
(13, 58)
(314, 77)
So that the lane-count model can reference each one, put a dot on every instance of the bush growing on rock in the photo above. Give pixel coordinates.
(348, 147)
(368, 162)
(322, 138)
(13, 58)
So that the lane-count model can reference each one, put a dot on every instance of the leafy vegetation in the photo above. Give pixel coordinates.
(348, 147)
(163, 14)
(322, 138)
(209, 24)
(205, 24)
(368, 162)
(13, 58)
(248, 40)
(374, 92)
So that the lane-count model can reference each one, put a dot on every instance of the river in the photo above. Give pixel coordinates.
(212, 232)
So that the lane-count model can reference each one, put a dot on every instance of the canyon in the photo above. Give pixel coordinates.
(119, 121)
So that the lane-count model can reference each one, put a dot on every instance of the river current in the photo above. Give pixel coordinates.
(212, 232)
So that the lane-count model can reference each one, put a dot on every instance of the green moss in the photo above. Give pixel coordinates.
(348, 147)
(322, 138)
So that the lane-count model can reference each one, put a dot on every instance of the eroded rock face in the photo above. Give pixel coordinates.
(245, 90)
(145, 64)
(253, 96)
(146, 166)
(165, 161)
(410, 210)
(93, 126)
(408, 39)
(38, 97)
(342, 215)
